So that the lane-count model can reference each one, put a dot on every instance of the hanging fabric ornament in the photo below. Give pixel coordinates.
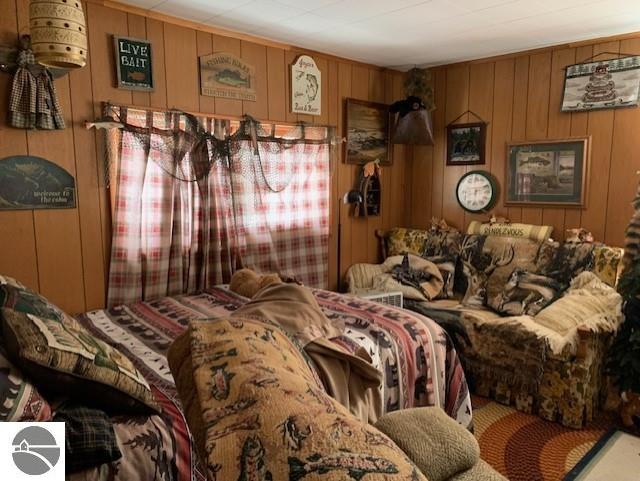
(413, 123)
(33, 103)
(58, 32)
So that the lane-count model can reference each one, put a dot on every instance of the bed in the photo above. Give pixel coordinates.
(420, 367)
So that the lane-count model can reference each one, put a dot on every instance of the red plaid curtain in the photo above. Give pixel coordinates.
(263, 205)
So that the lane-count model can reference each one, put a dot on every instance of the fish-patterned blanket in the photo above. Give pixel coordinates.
(420, 366)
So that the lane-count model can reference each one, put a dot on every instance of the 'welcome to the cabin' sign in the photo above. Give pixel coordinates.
(133, 63)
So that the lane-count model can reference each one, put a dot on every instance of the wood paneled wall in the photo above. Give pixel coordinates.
(519, 96)
(65, 253)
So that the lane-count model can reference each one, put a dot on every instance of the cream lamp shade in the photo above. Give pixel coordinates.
(58, 33)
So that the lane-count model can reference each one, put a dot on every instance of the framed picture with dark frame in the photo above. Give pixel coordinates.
(367, 130)
(548, 172)
(465, 143)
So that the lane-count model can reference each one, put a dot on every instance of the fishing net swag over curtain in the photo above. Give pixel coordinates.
(193, 203)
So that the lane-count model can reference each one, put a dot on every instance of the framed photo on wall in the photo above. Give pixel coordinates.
(547, 172)
(367, 126)
(465, 143)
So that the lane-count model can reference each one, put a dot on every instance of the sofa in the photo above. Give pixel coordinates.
(262, 413)
(532, 318)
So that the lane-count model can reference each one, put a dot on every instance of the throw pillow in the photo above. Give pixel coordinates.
(569, 260)
(525, 293)
(266, 415)
(447, 267)
(66, 359)
(25, 300)
(90, 439)
(402, 241)
(10, 281)
(607, 263)
(526, 231)
(19, 399)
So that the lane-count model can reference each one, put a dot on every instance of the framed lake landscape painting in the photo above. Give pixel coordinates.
(367, 131)
(605, 84)
(465, 143)
(548, 172)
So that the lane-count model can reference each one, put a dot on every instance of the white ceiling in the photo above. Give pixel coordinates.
(404, 33)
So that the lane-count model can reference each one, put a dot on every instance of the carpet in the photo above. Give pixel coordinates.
(615, 456)
(526, 448)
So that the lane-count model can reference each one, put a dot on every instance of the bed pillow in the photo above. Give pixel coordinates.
(525, 293)
(90, 439)
(19, 399)
(66, 359)
(402, 241)
(267, 416)
(527, 231)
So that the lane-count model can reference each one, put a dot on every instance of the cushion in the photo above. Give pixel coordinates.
(525, 293)
(10, 281)
(526, 231)
(481, 471)
(90, 439)
(424, 243)
(447, 267)
(438, 445)
(569, 260)
(66, 359)
(588, 302)
(489, 261)
(25, 300)
(607, 263)
(263, 414)
(19, 399)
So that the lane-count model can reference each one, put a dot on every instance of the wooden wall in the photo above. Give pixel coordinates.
(65, 253)
(519, 96)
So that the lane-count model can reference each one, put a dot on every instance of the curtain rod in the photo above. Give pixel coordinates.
(211, 115)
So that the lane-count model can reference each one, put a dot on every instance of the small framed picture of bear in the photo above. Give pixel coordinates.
(465, 143)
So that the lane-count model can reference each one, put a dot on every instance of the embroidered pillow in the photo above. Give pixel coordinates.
(23, 299)
(525, 293)
(64, 358)
(526, 231)
(19, 399)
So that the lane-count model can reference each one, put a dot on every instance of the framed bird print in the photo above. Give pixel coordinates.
(548, 172)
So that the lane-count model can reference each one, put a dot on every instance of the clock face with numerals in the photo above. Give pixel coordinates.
(476, 191)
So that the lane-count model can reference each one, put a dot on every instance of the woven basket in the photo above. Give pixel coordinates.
(58, 33)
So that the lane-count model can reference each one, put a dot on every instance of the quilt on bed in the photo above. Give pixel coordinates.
(420, 367)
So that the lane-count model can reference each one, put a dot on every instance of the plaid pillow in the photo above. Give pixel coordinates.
(90, 438)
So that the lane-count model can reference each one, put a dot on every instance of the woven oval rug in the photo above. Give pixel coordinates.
(526, 448)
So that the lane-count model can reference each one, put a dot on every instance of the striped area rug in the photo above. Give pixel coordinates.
(526, 448)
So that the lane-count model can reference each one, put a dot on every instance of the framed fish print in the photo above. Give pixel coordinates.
(548, 172)
(606, 84)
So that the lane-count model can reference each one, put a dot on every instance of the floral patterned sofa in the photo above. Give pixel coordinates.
(534, 318)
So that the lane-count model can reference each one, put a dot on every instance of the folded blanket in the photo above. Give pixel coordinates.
(348, 378)
(380, 277)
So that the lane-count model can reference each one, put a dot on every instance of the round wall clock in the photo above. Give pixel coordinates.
(477, 191)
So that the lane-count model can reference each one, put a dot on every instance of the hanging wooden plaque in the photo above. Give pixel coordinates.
(306, 86)
(28, 182)
(227, 76)
(133, 63)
